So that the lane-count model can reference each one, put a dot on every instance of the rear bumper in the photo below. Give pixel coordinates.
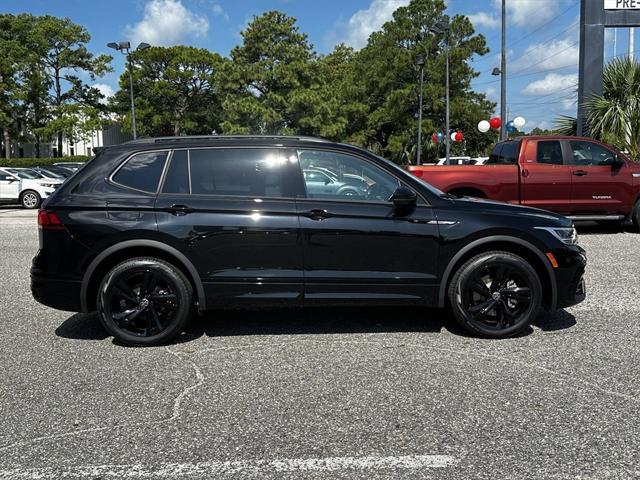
(55, 292)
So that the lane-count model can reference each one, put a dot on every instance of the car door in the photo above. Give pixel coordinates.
(599, 185)
(358, 247)
(9, 186)
(232, 212)
(546, 178)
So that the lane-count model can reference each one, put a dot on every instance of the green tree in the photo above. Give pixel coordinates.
(389, 82)
(175, 91)
(75, 107)
(271, 65)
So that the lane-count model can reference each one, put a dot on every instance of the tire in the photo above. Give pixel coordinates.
(144, 302)
(636, 216)
(495, 311)
(30, 199)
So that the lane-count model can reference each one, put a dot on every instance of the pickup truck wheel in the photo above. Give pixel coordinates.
(30, 199)
(495, 294)
(636, 216)
(144, 302)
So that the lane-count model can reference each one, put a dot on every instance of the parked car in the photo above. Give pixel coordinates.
(54, 171)
(322, 184)
(151, 229)
(25, 187)
(454, 161)
(578, 177)
(70, 165)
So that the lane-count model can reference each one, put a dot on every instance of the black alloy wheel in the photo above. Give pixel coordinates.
(495, 294)
(144, 301)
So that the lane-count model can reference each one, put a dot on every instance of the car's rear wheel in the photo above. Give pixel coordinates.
(30, 199)
(144, 301)
(495, 294)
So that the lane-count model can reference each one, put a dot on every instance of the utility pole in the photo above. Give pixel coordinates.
(448, 116)
(420, 63)
(503, 73)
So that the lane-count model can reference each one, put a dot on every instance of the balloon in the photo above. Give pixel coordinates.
(440, 136)
(511, 128)
(459, 137)
(453, 136)
(434, 138)
(495, 123)
(519, 122)
(484, 126)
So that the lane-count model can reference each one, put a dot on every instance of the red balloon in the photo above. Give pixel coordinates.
(495, 123)
(434, 138)
(459, 137)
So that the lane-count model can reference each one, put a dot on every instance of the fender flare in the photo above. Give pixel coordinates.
(141, 243)
(498, 238)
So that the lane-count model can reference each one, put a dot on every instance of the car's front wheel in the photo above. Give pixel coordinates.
(144, 301)
(30, 199)
(495, 294)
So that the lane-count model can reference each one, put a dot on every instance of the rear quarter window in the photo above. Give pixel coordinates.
(141, 172)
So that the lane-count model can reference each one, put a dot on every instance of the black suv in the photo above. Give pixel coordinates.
(150, 230)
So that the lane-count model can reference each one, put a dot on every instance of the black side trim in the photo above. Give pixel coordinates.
(498, 238)
(141, 243)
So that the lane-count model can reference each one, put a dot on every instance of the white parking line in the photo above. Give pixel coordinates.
(214, 469)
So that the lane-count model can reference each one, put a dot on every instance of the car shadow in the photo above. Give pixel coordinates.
(311, 321)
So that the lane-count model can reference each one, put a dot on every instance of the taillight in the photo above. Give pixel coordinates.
(48, 220)
(418, 173)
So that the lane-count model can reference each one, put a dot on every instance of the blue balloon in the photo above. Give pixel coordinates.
(511, 127)
(440, 136)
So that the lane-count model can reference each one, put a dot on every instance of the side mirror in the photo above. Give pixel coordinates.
(404, 197)
(11, 179)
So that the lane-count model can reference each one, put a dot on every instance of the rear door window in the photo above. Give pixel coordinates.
(142, 171)
(509, 153)
(241, 172)
(495, 154)
(550, 152)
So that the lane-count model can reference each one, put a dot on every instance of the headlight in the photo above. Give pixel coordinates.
(48, 185)
(568, 235)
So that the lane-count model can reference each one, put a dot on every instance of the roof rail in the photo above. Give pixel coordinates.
(191, 138)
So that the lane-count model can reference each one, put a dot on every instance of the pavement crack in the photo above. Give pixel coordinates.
(176, 412)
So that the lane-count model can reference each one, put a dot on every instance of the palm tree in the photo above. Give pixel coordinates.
(614, 116)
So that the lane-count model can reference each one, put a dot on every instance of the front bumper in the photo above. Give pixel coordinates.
(571, 285)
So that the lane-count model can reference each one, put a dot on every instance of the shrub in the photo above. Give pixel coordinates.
(39, 162)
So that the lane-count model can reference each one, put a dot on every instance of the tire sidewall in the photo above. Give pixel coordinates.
(30, 192)
(470, 267)
(171, 274)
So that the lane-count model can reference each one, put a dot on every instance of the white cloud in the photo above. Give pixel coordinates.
(521, 13)
(492, 94)
(167, 22)
(105, 90)
(366, 21)
(218, 11)
(545, 56)
(484, 19)
(552, 83)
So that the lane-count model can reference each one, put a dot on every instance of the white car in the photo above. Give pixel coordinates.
(25, 187)
(455, 161)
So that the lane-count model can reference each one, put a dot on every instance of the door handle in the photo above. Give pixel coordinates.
(178, 210)
(317, 214)
(580, 173)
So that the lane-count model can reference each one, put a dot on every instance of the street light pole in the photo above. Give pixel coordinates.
(503, 73)
(420, 63)
(448, 115)
(125, 49)
(133, 104)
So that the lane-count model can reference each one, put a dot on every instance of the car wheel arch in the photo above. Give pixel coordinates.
(510, 244)
(468, 192)
(135, 248)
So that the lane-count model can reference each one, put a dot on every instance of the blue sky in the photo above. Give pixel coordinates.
(542, 36)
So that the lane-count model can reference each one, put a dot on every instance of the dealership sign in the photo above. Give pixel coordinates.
(622, 4)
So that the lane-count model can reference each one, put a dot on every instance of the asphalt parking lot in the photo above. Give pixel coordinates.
(397, 394)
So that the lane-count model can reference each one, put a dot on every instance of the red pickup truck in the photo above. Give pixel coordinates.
(577, 177)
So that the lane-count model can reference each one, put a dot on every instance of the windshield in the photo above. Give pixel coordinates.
(431, 188)
(50, 174)
(26, 174)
